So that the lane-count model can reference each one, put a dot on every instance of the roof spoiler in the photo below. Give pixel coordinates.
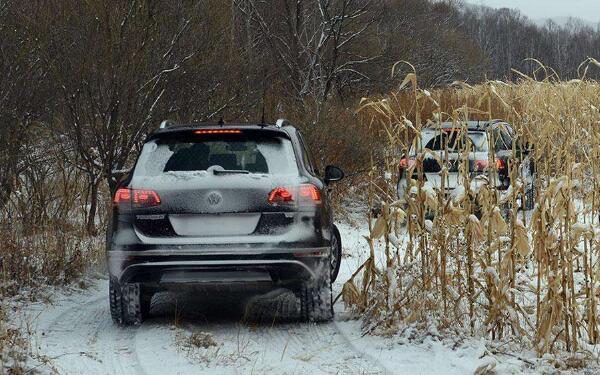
(167, 124)
(282, 122)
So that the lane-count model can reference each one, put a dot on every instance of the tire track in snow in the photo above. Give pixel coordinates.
(357, 350)
(245, 345)
(310, 348)
(79, 332)
(80, 337)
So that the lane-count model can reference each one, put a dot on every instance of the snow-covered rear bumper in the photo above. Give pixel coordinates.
(452, 188)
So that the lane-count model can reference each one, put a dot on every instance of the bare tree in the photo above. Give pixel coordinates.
(316, 43)
(113, 64)
(20, 104)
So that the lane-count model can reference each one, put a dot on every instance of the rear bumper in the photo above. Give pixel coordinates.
(218, 265)
(501, 185)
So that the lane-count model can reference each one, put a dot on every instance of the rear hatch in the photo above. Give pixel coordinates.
(447, 148)
(213, 183)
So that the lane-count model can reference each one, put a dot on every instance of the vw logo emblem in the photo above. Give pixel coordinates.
(214, 199)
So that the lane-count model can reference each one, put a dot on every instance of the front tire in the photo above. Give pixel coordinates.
(336, 253)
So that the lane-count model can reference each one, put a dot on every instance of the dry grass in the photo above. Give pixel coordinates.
(43, 221)
(13, 347)
(471, 269)
(48, 256)
(199, 340)
(43, 241)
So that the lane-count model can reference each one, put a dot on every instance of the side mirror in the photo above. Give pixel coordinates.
(525, 149)
(529, 147)
(333, 173)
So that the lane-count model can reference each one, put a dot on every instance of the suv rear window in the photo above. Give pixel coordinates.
(262, 153)
(455, 143)
(502, 140)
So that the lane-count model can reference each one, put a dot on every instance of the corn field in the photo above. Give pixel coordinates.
(476, 263)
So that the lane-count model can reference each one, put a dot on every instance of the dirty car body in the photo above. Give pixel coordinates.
(237, 205)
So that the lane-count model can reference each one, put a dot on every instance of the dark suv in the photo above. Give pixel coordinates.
(223, 205)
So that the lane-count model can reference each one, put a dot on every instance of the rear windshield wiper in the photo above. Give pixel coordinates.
(230, 171)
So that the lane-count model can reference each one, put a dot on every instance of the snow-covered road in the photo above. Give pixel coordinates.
(79, 337)
(75, 333)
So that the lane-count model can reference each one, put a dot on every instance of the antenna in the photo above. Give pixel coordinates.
(262, 119)
(221, 122)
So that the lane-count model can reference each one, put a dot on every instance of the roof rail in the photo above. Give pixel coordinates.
(496, 121)
(166, 124)
(484, 124)
(282, 122)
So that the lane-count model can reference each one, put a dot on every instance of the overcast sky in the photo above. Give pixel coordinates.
(588, 10)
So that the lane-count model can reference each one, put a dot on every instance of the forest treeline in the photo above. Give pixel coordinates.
(82, 82)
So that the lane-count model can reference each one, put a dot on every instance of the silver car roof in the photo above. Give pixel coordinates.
(471, 125)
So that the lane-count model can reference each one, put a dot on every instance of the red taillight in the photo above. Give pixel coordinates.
(301, 195)
(122, 195)
(280, 195)
(310, 192)
(145, 198)
(218, 131)
(137, 197)
(405, 163)
(481, 165)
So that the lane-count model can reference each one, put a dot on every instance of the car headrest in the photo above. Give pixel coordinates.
(227, 161)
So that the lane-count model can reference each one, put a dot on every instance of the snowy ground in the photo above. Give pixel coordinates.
(75, 333)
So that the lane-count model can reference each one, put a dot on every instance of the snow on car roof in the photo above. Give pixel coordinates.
(210, 126)
(471, 125)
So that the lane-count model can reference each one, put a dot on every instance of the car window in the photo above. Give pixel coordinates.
(502, 140)
(456, 141)
(307, 156)
(256, 154)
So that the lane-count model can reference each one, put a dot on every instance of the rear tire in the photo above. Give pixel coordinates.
(529, 199)
(126, 303)
(115, 301)
(146, 303)
(316, 300)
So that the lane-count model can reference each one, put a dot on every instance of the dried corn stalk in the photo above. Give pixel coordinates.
(474, 261)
